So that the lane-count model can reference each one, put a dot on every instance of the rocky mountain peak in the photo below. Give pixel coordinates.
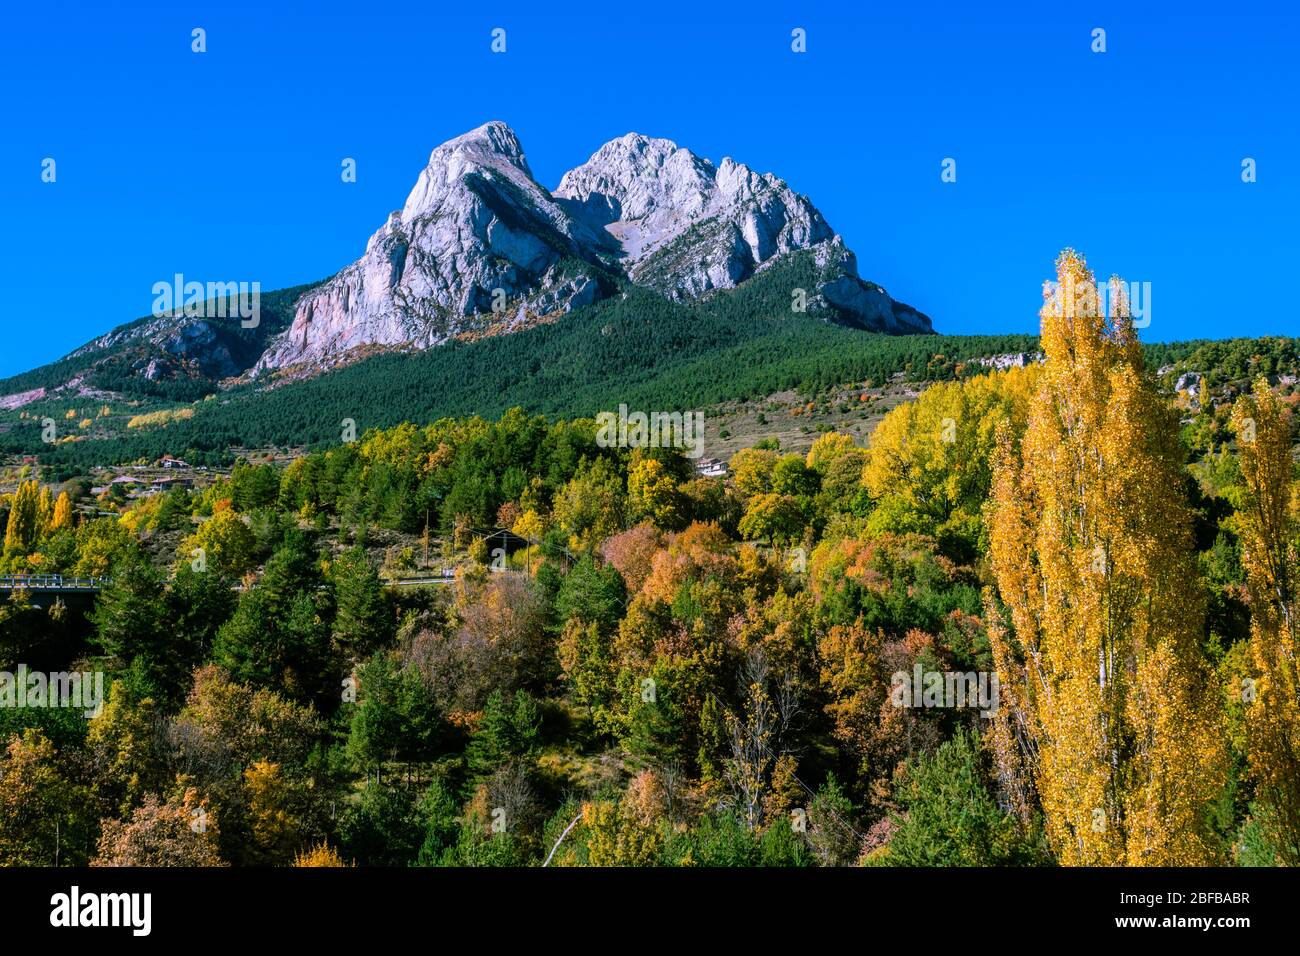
(493, 147)
(476, 233)
(480, 244)
(635, 176)
(667, 206)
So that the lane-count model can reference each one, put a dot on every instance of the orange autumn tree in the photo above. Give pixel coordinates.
(1106, 706)
(1268, 522)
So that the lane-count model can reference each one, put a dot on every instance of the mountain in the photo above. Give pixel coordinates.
(481, 246)
(686, 227)
(476, 222)
(169, 357)
(481, 249)
(642, 350)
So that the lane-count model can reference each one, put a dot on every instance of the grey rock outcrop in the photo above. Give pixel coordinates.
(475, 228)
(684, 226)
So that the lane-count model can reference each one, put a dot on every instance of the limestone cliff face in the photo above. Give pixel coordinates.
(684, 226)
(476, 222)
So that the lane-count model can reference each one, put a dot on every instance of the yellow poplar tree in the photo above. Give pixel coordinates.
(1105, 689)
(24, 519)
(1268, 522)
(62, 512)
(274, 829)
(44, 511)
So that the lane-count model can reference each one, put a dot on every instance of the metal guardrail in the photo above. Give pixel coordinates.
(50, 582)
(59, 582)
(444, 576)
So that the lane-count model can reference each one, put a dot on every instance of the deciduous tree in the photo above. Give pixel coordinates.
(1268, 521)
(1102, 677)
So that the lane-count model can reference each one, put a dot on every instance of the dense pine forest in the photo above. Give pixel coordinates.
(1046, 616)
(638, 348)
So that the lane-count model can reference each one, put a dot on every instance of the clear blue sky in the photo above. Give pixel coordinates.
(225, 165)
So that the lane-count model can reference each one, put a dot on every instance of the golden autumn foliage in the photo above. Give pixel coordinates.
(273, 826)
(25, 524)
(225, 540)
(44, 510)
(62, 512)
(590, 506)
(930, 463)
(1268, 522)
(618, 835)
(751, 470)
(828, 448)
(856, 665)
(652, 494)
(161, 417)
(1106, 706)
(39, 803)
(321, 855)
